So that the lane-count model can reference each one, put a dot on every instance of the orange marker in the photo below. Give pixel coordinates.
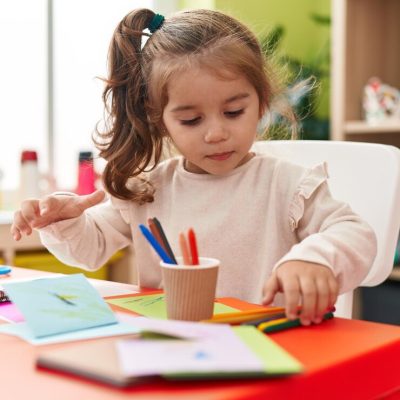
(193, 247)
(184, 249)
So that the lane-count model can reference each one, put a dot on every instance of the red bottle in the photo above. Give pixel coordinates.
(86, 174)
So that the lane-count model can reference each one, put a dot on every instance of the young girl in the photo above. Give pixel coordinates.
(201, 81)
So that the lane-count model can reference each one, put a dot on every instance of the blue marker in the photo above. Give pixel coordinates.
(5, 270)
(156, 246)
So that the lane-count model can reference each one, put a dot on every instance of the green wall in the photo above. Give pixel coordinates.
(303, 38)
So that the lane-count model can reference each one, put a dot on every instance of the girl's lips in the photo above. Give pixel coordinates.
(220, 156)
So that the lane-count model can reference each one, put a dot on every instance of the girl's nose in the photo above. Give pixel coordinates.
(216, 133)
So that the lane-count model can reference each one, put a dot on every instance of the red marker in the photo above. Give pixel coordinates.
(193, 247)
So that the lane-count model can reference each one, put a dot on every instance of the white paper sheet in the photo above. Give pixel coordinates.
(178, 329)
(219, 354)
(22, 331)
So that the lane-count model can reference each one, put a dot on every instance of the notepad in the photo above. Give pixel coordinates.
(100, 361)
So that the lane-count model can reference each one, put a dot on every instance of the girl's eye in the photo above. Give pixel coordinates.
(233, 114)
(193, 121)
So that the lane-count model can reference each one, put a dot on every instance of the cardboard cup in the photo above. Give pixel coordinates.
(190, 289)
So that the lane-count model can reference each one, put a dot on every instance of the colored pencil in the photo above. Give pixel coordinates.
(193, 247)
(258, 320)
(238, 317)
(284, 323)
(184, 249)
(156, 246)
(164, 239)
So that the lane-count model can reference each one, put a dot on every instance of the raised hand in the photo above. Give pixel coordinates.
(38, 213)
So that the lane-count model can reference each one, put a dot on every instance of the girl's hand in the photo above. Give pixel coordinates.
(36, 213)
(312, 285)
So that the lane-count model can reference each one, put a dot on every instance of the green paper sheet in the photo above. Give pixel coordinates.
(153, 305)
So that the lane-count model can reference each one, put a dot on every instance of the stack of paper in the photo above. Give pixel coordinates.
(202, 351)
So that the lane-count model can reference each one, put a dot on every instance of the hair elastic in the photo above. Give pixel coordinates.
(156, 22)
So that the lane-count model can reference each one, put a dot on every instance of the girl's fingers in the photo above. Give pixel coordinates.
(16, 234)
(271, 288)
(90, 200)
(309, 296)
(20, 226)
(291, 290)
(30, 210)
(324, 297)
(48, 205)
(333, 291)
(40, 213)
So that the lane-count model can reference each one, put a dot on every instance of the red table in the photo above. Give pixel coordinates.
(343, 359)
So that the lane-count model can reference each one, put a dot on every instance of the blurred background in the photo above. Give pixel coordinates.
(54, 50)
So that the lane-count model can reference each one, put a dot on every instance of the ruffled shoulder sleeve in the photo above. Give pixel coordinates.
(310, 182)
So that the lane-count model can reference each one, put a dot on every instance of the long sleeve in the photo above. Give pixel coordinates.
(90, 240)
(330, 233)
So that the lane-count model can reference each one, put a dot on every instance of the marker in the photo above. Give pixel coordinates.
(156, 233)
(164, 240)
(156, 246)
(5, 270)
(64, 299)
(184, 249)
(193, 247)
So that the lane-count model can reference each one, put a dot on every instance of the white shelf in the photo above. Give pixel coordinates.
(365, 43)
(364, 127)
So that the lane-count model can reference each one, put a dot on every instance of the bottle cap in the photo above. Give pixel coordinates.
(29, 155)
(85, 156)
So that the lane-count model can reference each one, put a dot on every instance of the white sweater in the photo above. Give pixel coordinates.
(258, 216)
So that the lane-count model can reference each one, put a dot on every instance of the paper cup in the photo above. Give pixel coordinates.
(190, 289)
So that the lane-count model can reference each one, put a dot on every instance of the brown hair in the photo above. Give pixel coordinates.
(136, 89)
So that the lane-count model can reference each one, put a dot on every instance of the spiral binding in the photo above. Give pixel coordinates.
(3, 297)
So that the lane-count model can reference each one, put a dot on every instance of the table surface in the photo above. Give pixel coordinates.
(347, 359)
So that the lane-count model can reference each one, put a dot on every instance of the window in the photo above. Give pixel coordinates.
(23, 70)
(81, 32)
(81, 41)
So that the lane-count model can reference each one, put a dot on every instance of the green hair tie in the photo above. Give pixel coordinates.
(156, 22)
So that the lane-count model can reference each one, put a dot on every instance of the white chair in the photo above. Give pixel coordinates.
(367, 177)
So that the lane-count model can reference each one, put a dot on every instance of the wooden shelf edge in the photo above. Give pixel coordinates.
(364, 127)
(395, 274)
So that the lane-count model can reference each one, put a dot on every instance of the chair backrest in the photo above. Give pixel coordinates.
(367, 177)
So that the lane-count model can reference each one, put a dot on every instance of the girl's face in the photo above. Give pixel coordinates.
(212, 121)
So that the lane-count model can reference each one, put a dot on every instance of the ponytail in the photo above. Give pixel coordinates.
(129, 141)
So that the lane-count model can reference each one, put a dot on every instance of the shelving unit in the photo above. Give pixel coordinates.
(365, 43)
